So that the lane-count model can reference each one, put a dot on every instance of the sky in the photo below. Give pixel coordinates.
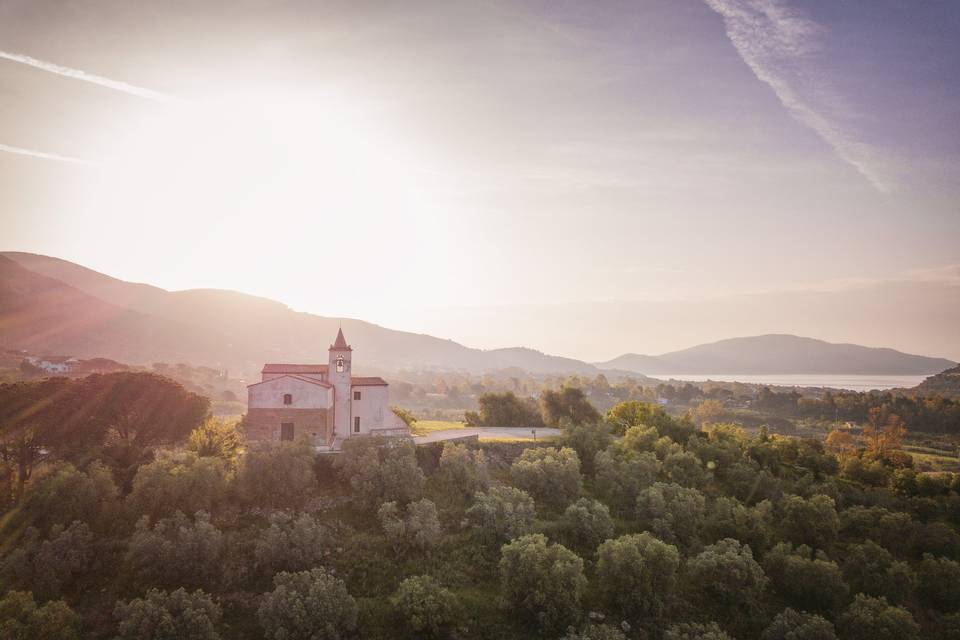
(584, 178)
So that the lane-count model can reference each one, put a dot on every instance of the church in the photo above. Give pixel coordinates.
(324, 403)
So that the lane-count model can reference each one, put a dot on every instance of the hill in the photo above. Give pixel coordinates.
(946, 384)
(779, 354)
(52, 305)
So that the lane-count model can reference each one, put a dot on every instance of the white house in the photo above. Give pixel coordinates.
(322, 402)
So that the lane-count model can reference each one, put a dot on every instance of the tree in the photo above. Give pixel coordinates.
(807, 580)
(586, 523)
(506, 410)
(551, 476)
(841, 443)
(725, 579)
(884, 432)
(381, 470)
(794, 625)
(730, 518)
(939, 583)
(464, 470)
(501, 514)
(622, 474)
(874, 619)
(178, 481)
(47, 567)
(160, 615)
(696, 631)
(418, 529)
(872, 570)
(22, 619)
(308, 605)
(176, 551)
(587, 440)
(66, 494)
(673, 513)
(408, 418)
(632, 413)
(595, 632)
(542, 583)
(568, 403)
(685, 468)
(291, 543)
(428, 609)
(277, 476)
(218, 439)
(637, 576)
(710, 411)
(812, 521)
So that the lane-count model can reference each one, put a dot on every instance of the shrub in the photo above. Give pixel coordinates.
(637, 575)
(308, 605)
(551, 476)
(216, 438)
(427, 608)
(542, 583)
(159, 615)
(176, 551)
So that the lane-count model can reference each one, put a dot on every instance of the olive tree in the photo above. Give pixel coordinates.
(307, 605)
(621, 474)
(280, 476)
(66, 494)
(637, 575)
(46, 567)
(427, 608)
(795, 625)
(501, 514)
(673, 513)
(418, 528)
(464, 470)
(178, 481)
(806, 579)
(586, 523)
(159, 615)
(730, 518)
(177, 551)
(872, 570)
(381, 470)
(291, 543)
(695, 631)
(870, 618)
(725, 580)
(939, 583)
(542, 583)
(21, 618)
(550, 475)
(811, 521)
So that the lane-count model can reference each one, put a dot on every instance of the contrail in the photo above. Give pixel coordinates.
(42, 154)
(77, 74)
(777, 43)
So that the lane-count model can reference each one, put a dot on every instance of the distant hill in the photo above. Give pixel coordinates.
(52, 305)
(779, 354)
(946, 384)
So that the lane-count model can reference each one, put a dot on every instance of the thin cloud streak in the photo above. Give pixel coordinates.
(44, 155)
(775, 43)
(77, 74)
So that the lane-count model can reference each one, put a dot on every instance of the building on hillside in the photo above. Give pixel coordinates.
(324, 403)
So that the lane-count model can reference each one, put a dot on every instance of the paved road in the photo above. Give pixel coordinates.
(485, 432)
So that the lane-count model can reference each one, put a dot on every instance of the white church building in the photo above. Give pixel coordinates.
(324, 403)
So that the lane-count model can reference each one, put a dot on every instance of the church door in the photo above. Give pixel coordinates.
(286, 431)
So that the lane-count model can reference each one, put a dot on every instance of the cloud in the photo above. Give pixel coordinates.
(77, 74)
(42, 154)
(779, 44)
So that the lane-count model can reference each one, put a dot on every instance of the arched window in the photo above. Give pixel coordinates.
(288, 398)
(339, 364)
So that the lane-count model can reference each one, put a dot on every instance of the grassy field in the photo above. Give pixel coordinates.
(423, 427)
(927, 459)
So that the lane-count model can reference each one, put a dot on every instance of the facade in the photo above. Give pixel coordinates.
(324, 403)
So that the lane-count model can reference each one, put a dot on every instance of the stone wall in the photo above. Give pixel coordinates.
(263, 425)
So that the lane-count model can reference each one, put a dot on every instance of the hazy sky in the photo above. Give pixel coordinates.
(586, 178)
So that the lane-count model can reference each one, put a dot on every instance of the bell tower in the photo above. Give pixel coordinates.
(338, 374)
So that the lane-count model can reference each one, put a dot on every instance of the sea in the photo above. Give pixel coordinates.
(850, 382)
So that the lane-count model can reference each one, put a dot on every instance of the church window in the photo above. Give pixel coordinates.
(356, 395)
(288, 398)
(356, 424)
(339, 364)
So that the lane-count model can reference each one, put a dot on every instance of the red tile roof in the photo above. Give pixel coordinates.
(319, 383)
(367, 381)
(294, 368)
